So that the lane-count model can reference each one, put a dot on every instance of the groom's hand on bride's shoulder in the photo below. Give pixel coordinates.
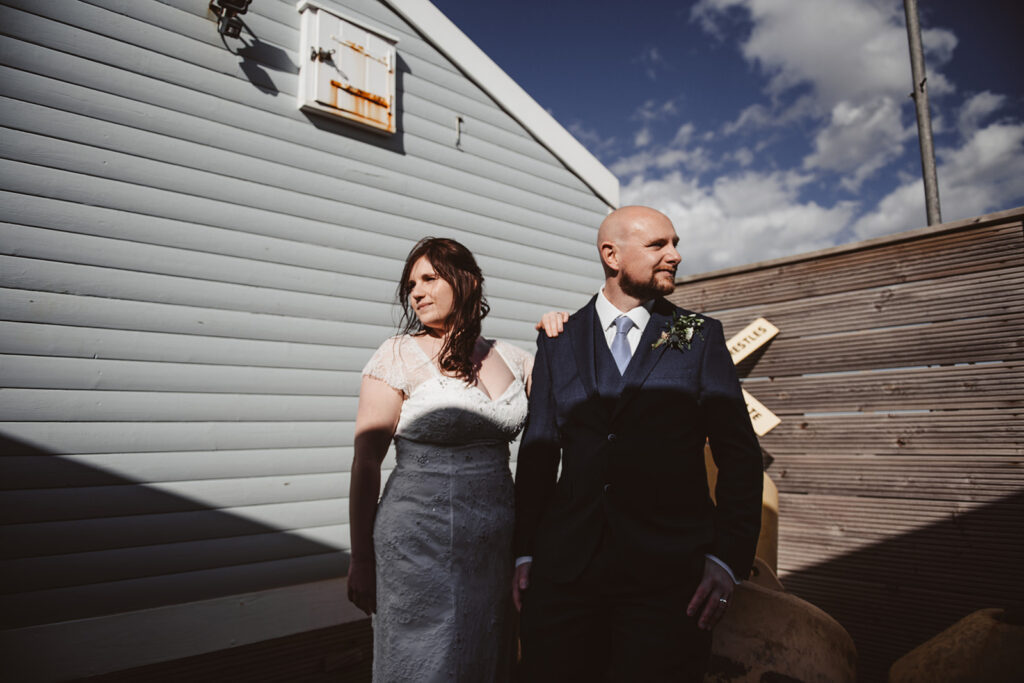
(711, 599)
(552, 323)
(520, 582)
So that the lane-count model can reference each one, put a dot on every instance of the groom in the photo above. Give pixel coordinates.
(624, 564)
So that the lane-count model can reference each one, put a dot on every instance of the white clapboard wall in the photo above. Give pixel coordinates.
(193, 274)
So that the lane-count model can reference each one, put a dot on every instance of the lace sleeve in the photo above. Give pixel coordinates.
(520, 358)
(387, 366)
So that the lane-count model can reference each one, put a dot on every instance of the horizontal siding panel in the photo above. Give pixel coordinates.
(321, 250)
(52, 276)
(52, 405)
(54, 245)
(100, 437)
(978, 478)
(32, 471)
(345, 200)
(126, 196)
(304, 169)
(49, 372)
(419, 61)
(59, 339)
(84, 535)
(997, 385)
(186, 304)
(135, 93)
(936, 433)
(827, 527)
(280, 77)
(162, 29)
(61, 38)
(200, 295)
(44, 573)
(82, 602)
(53, 504)
(969, 250)
(898, 458)
(407, 174)
(991, 338)
(991, 293)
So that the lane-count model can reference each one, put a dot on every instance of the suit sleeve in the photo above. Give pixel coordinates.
(737, 454)
(539, 452)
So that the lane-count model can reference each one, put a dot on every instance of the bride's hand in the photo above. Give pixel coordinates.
(551, 322)
(362, 586)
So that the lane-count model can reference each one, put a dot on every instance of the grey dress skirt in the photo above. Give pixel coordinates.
(443, 530)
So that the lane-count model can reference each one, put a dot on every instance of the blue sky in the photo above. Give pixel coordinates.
(765, 128)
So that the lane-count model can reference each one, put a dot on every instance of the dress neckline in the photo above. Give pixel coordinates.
(494, 345)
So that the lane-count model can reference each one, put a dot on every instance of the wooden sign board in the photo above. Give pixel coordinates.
(761, 418)
(750, 339)
(742, 344)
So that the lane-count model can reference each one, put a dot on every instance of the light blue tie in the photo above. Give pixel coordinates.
(620, 345)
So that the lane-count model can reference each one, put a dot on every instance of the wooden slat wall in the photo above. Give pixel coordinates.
(899, 378)
(192, 275)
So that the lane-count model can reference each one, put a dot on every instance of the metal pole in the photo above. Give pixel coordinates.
(924, 119)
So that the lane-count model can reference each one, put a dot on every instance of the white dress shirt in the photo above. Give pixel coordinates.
(607, 312)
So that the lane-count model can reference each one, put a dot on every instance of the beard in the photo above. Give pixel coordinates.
(644, 290)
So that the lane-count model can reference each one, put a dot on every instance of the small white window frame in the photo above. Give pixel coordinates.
(311, 101)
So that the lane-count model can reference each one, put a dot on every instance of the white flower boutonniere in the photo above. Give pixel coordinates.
(679, 333)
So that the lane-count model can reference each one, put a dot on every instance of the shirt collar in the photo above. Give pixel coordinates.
(607, 312)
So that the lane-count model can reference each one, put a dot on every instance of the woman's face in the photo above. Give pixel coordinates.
(430, 295)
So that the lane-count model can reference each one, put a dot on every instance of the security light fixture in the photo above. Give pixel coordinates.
(227, 12)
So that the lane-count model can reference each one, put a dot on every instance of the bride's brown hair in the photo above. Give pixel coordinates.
(456, 266)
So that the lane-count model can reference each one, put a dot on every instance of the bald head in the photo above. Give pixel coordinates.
(620, 224)
(637, 245)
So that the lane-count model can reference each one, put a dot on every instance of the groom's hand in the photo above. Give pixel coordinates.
(520, 582)
(715, 586)
(552, 323)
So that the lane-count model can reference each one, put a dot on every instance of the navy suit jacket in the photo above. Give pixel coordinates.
(633, 460)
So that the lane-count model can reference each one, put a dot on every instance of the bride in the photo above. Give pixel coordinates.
(433, 559)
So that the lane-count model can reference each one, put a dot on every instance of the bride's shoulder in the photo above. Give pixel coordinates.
(515, 354)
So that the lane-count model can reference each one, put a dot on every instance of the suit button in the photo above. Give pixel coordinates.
(611, 437)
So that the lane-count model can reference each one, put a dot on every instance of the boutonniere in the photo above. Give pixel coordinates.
(679, 333)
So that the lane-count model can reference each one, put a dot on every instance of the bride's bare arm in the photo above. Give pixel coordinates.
(376, 420)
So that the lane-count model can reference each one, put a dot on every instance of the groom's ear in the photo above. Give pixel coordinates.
(609, 256)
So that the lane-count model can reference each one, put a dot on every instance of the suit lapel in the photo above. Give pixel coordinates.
(581, 339)
(645, 358)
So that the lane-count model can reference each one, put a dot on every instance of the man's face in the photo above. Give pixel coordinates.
(648, 258)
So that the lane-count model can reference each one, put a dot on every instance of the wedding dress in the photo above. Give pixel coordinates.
(443, 530)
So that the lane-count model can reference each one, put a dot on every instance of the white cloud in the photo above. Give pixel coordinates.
(976, 109)
(677, 154)
(840, 70)
(845, 49)
(652, 110)
(685, 134)
(743, 156)
(739, 219)
(663, 159)
(852, 57)
(593, 140)
(859, 140)
(984, 174)
(652, 61)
